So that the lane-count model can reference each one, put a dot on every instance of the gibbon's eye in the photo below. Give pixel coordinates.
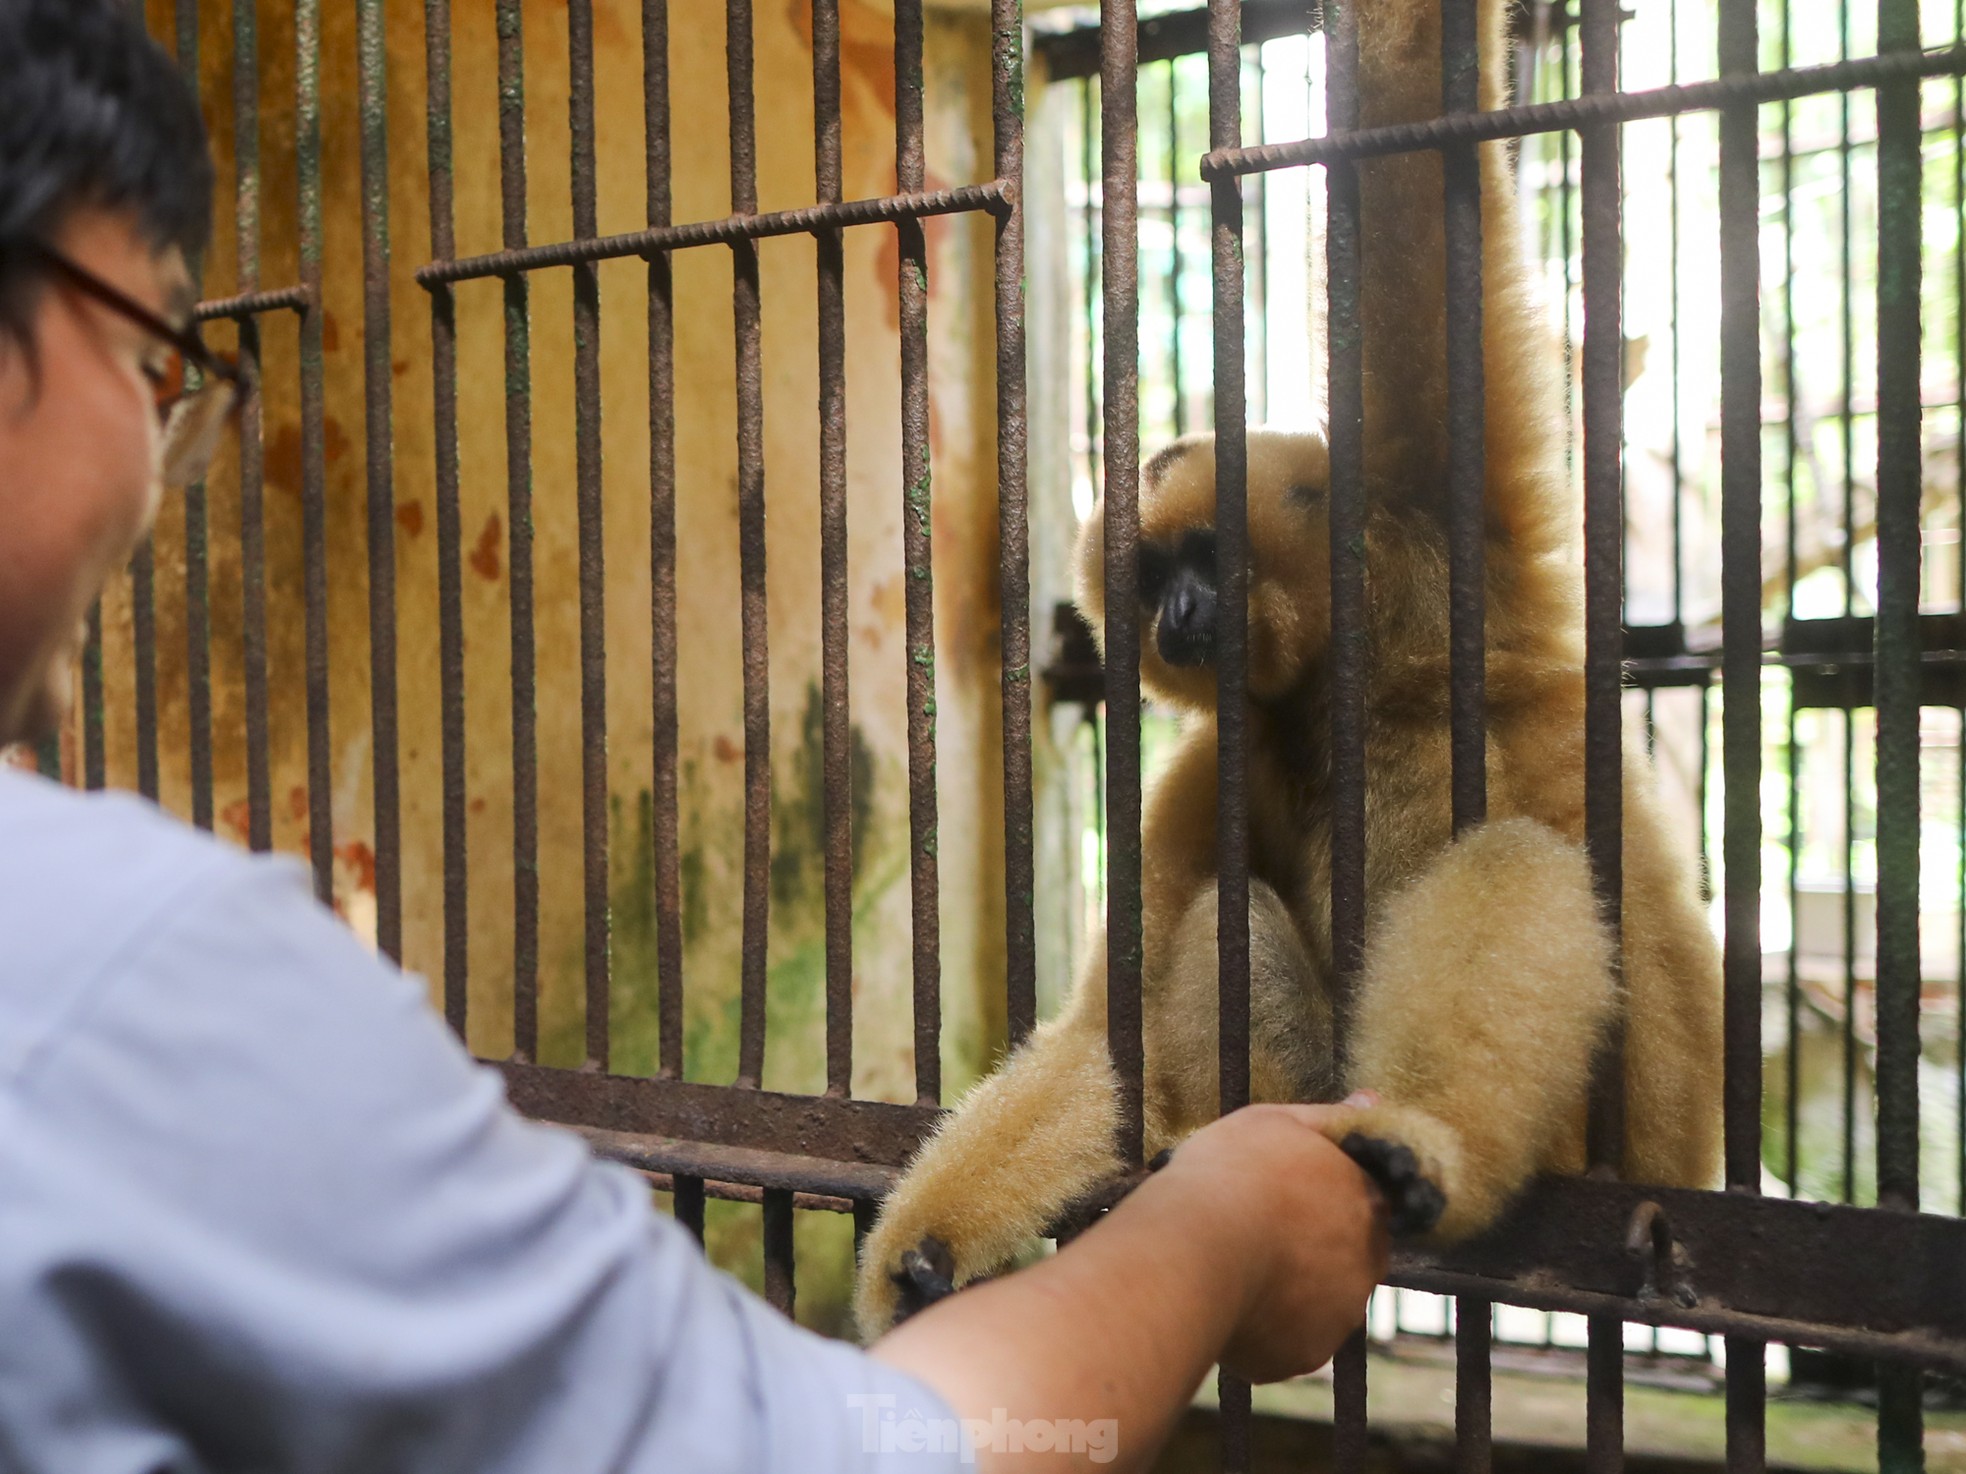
(1198, 551)
(1156, 568)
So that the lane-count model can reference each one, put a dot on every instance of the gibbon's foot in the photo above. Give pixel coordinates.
(1160, 1159)
(927, 1274)
(1415, 1203)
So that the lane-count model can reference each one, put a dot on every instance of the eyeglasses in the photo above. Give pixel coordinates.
(196, 389)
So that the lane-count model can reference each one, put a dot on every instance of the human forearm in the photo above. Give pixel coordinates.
(1120, 1328)
(1256, 1246)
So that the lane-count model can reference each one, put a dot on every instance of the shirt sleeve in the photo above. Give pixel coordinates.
(280, 1220)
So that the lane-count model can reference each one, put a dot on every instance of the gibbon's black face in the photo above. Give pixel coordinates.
(1178, 585)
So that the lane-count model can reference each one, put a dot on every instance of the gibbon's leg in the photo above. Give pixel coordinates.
(1486, 987)
(1020, 1148)
(1289, 1019)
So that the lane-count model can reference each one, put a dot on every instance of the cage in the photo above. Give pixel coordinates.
(530, 686)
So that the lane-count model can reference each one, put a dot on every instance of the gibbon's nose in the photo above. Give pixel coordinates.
(1186, 636)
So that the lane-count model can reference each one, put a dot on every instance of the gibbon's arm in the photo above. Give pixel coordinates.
(1403, 300)
(1487, 985)
(1256, 1246)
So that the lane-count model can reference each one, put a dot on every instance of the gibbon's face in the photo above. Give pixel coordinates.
(1289, 563)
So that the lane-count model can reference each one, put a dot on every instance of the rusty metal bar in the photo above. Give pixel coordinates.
(93, 757)
(737, 1192)
(780, 1288)
(751, 546)
(1231, 566)
(1900, 487)
(726, 1170)
(1466, 393)
(450, 574)
(835, 699)
(1347, 515)
(143, 628)
(737, 227)
(251, 302)
(1747, 1405)
(518, 522)
(252, 445)
(1232, 593)
(1583, 113)
(1473, 1386)
(313, 465)
(1740, 498)
(662, 542)
(1349, 1449)
(1343, 275)
(1013, 527)
(917, 547)
(689, 1193)
(197, 541)
(1604, 527)
(593, 586)
(1120, 332)
(1604, 1394)
(378, 380)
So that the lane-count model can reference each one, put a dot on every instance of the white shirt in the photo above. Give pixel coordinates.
(259, 1211)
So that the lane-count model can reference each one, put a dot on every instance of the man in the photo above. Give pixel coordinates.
(258, 1211)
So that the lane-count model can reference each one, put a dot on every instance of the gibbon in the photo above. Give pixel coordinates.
(1488, 980)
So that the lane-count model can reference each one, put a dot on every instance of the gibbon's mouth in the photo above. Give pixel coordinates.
(1186, 645)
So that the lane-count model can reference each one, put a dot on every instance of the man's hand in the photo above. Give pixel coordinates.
(1316, 1232)
(1255, 1246)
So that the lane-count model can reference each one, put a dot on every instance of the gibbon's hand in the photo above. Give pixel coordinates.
(1315, 1228)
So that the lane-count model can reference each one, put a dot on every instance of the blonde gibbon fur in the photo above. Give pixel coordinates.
(1487, 983)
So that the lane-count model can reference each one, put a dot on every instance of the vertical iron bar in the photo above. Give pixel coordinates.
(1747, 1406)
(1347, 514)
(689, 1204)
(1013, 529)
(1604, 1394)
(197, 544)
(93, 756)
(1460, 63)
(1740, 499)
(833, 573)
(1604, 545)
(450, 590)
(662, 541)
(1348, 1398)
(1348, 635)
(1174, 253)
(518, 522)
(780, 1287)
(314, 504)
(1672, 189)
(1232, 597)
(1792, 1110)
(143, 627)
(917, 524)
(1899, 486)
(378, 387)
(1959, 497)
(751, 546)
(1093, 438)
(587, 477)
(252, 447)
(1473, 1385)
(1120, 331)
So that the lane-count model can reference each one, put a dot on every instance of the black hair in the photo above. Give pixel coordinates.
(92, 113)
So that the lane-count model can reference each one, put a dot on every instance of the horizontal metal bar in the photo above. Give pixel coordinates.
(747, 1166)
(880, 210)
(1772, 1268)
(1582, 112)
(1065, 55)
(838, 1131)
(738, 1192)
(252, 304)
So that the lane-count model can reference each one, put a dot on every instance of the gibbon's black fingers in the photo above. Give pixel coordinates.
(1414, 1203)
(927, 1274)
(1186, 635)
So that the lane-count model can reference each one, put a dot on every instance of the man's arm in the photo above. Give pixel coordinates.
(1256, 1246)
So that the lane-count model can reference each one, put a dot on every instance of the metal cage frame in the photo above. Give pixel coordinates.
(1887, 1283)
